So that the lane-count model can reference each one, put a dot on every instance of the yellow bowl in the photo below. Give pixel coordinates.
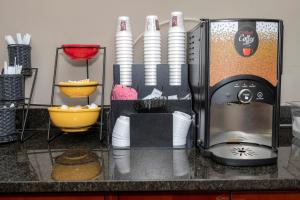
(74, 120)
(78, 89)
(76, 165)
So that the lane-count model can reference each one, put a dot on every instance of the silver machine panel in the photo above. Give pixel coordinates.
(236, 123)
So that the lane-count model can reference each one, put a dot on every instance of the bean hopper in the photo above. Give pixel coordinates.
(235, 76)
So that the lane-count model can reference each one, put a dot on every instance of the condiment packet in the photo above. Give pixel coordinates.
(155, 94)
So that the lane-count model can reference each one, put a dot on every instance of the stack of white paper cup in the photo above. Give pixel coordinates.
(152, 49)
(121, 132)
(176, 48)
(180, 162)
(124, 50)
(181, 126)
(122, 160)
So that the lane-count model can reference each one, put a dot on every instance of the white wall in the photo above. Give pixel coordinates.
(55, 22)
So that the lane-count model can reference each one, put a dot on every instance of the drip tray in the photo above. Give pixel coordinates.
(243, 154)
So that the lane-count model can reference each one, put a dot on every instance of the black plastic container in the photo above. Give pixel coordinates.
(153, 128)
(12, 88)
(22, 54)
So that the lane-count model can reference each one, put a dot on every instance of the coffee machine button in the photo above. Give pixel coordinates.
(245, 96)
(260, 95)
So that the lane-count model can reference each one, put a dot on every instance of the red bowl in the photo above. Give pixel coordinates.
(81, 51)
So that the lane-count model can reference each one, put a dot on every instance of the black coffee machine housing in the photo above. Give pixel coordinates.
(235, 68)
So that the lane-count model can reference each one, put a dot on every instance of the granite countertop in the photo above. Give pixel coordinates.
(27, 167)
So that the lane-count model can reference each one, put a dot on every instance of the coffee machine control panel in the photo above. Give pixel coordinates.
(245, 96)
(244, 92)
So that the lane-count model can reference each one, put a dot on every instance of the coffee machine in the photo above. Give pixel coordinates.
(235, 68)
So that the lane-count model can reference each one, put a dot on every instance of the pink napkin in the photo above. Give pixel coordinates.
(121, 92)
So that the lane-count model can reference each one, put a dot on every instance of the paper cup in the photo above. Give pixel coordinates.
(174, 42)
(178, 59)
(124, 34)
(176, 37)
(126, 67)
(128, 45)
(122, 54)
(176, 22)
(122, 161)
(154, 54)
(178, 47)
(176, 56)
(180, 162)
(121, 38)
(122, 126)
(124, 61)
(123, 24)
(123, 42)
(176, 52)
(152, 48)
(127, 58)
(152, 62)
(151, 45)
(176, 34)
(150, 81)
(152, 59)
(155, 42)
(151, 72)
(126, 83)
(181, 125)
(152, 24)
(152, 37)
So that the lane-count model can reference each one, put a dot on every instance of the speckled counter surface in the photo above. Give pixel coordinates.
(27, 167)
